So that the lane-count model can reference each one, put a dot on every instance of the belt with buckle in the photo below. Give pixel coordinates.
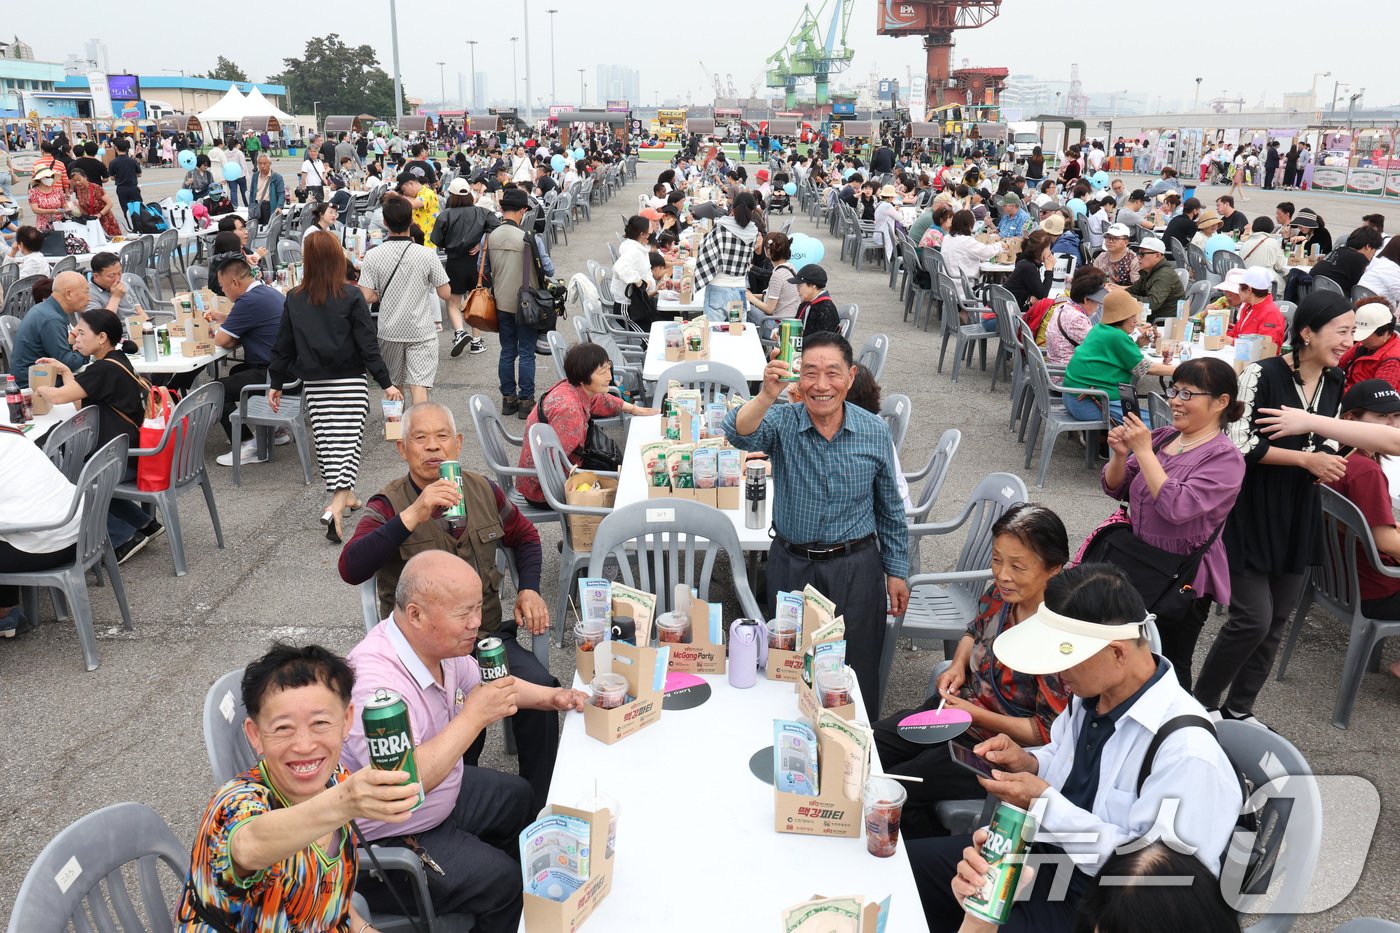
(828, 553)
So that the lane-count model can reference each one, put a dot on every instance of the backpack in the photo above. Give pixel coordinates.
(146, 218)
(1260, 864)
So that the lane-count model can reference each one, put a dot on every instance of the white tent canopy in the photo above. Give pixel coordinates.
(231, 108)
(256, 105)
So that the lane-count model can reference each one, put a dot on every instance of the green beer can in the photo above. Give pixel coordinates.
(1005, 851)
(389, 736)
(790, 345)
(452, 470)
(491, 656)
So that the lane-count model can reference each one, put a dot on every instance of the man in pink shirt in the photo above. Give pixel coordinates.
(471, 817)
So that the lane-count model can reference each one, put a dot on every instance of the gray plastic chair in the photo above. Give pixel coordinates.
(69, 445)
(253, 410)
(197, 277)
(552, 466)
(194, 416)
(678, 548)
(717, 382)
(847, 315)
(19, 297)
(933, 475)
(1361, 291)
(1008, 318)
(1289, 810)
(1049, 419)
(502, 452)
(1197, 297)
(93, 494)
(964, 336)
(66, 264)
(581, 330)
(1368, 925)
(102, 844)
(558, 349)
(897, 411)
(941, 604)
(1322, 283)
(1222, 261)
(874, 353)
(1159, 410)
(288, 252)
(9, 327)
(162, 267)
(1334, 586)
(230, 755)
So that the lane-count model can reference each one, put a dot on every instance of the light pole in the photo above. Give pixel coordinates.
(553, 92)
(442, 83)
(471, 43)
(1313, 96)
(529, 107)
(1196, 102)
(398, 81)
(1335, 86)
(514, 72)
(315, 115)
(1351, 108)
(1057, 101)
(582, 91)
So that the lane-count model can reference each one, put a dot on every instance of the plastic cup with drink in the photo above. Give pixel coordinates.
(882, 801)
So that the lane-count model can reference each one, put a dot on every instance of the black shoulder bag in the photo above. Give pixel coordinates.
(1162, 579)
(598, 452)
(539, 307)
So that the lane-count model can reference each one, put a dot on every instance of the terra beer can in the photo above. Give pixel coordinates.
(790, 345)
(389, 736)
(1004, 850)
(452, 470)
(491, 655)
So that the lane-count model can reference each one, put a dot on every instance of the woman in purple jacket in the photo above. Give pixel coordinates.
(1180, 483)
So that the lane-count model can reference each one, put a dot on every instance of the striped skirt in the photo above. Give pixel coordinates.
(337, 409)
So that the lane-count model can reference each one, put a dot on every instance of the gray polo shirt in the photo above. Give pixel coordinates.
(98, 298)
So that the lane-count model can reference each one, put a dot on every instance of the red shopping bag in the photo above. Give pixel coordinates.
(153, 470)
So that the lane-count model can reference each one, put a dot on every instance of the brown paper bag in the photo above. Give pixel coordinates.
(41, 375)
(584, 527)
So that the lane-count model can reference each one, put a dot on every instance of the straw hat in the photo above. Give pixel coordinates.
(1208, 218)
(1054, 224)
(888, 193)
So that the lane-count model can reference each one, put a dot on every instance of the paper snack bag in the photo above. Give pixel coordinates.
(584, 487)
(41, 375)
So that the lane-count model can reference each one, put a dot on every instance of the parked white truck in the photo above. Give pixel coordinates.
(1023, 137)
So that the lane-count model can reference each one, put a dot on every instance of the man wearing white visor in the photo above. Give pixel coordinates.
(1086, 786)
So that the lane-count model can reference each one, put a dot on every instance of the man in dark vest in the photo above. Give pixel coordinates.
(406, 517)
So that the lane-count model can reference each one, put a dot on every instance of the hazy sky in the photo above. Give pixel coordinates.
(1244, 49)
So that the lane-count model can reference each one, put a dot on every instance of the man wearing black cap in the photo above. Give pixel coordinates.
(506, 246)
(817, 311)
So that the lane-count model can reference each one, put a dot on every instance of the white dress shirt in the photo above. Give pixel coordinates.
(1191, 774)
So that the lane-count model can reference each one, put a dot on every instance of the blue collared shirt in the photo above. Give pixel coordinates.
(827, 492)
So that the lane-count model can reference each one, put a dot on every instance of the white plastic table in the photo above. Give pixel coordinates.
(43, 424)
(687, 799)
(1391, 467)
(176, 362)
(744, 352)
(674, 306)
(632, 483)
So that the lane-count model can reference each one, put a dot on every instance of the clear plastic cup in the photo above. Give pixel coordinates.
(782, 634)
(589, 634)
(882, 801)
(833, 688)
(609, 691)
(673, 628)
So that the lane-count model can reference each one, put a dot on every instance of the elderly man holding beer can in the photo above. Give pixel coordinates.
(440, 506)
(1133, 756)
(466, 829)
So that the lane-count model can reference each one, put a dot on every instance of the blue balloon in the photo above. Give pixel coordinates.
(576, 155)
(232, 171)
(558, 163)
(806, 249)
(184, 196)
(790, 188)
(186, 159)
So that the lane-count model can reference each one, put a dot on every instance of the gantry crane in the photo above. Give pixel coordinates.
(807, 55)
(936, 21)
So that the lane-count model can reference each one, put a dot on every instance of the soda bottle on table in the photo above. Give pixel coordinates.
(15, 400)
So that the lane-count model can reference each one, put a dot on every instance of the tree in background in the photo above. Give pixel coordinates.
(344, 79)
(226, 70)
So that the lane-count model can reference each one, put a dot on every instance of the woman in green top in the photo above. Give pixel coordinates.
(1108, 357)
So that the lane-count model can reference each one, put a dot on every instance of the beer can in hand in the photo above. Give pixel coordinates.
(456, 515)
(1005, 851)
(389, 736)
(491, 656)
(790, 346)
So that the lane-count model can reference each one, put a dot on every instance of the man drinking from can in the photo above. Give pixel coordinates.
(467, 826)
